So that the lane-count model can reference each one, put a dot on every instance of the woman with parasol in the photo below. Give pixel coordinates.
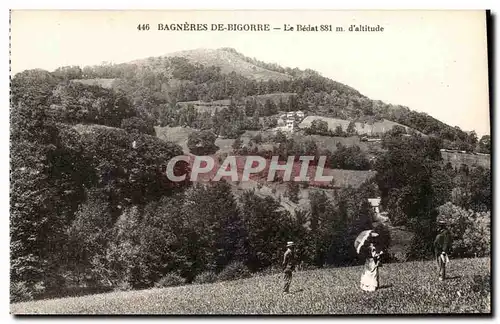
(365, 243)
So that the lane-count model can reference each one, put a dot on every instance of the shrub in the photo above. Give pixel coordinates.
(481, 284)
(400, 256)
(123, 285)
(257, 138)
(384, 238)
(234, 271)
(170, 280)
(137, 125)
(206, 277)
(470, 230)
(272, 270)
(20, 291)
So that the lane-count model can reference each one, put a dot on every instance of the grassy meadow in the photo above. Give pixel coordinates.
(406, 288)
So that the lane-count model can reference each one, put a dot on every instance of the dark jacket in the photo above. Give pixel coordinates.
(442, 243)
(289, 261)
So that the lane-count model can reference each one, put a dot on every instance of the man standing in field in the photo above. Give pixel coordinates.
(442, 247)
(288, 266)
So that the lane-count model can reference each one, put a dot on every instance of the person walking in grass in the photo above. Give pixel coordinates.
(370, 276)
(288, 266)
(442, 247)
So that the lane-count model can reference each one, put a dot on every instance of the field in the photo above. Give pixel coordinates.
(457, 159)
(406, 288)
(211, 106)
(376, 128)
(179, 135)
(105, 83)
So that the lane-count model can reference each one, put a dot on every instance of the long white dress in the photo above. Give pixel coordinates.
(370, 277)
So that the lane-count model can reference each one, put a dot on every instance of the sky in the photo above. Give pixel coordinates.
(430, 61)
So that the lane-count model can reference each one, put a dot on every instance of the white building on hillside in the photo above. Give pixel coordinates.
(379, 216)
(375, 203)
(289, 121)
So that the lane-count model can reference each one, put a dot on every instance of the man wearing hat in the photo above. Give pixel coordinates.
(288, 266)
(442, 247)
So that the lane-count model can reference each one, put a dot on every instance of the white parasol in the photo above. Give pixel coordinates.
(362, 237)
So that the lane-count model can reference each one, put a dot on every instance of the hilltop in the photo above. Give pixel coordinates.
(228, 61)
(209, 79)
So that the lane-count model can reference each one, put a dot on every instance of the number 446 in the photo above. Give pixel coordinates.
(143, 27)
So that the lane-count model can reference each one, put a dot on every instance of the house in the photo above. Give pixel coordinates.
(290, 124)
(370, 139)
(379, 216)
(375, 203)
(300, 114)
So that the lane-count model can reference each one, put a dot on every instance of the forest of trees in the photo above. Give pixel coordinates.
(414, 183)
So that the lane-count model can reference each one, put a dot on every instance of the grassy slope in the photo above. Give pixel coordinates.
(204, 106)
(229, 62)
(105, 83)
(407, 288)
(361, 128)
(457, 159)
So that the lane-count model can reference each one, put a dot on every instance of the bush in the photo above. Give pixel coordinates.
(170, 280)
(20, 292)
(123, 285)
(384, 238)
(481, 285)
(206, 277)
(470, 230)
(137, 125)
(257, 138)
(400, 256)
(272, 270)
(234, 271)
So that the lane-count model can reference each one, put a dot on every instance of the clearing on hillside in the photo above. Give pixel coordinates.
(406, 288)
(374, 129)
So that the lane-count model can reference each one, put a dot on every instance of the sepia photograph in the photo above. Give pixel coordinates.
(250, 162)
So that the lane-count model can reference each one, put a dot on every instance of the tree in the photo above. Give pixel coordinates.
(338, 131)
(351, 158)
(351, 128)
(396, 132)
(270, 108)
(250, 107)
(485, 144)
(68, 73)
(470, 230)
(88, 238)
(280, 137)
(257, 138)
(319, 126)
(472, 138)
(404, 176)
(123, 253)
(136, 125)
(266, 227)
(33, 88)
(214, 228)
(293, 103)
(48, 174)
(292, 192)
(237, 145)
(202, 142)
